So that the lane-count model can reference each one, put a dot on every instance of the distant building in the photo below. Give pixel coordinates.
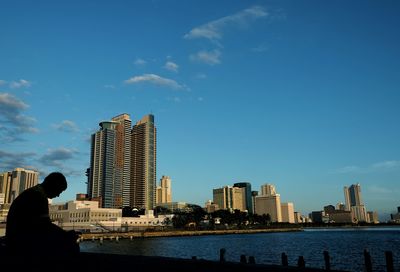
(287, 210)
(122, 169)
(269, 205)
(298, 218)
(230, 198)
(85, 215)
(253, 200)
(268, 190)
(341, 216)
(269, 202)
(354, 202)
(372, 217)
(211, 207)
(247, 195)
(163, 192)
(13, 183)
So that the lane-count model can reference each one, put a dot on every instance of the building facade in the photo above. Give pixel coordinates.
(354, 203)
(13, 183)
(123, 163)
(164, 192)
(143, 164)
(230, 198)
(247, 195)
(287, 210)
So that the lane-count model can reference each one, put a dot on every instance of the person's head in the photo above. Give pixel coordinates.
(54, 184)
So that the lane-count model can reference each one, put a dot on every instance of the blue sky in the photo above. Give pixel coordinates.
(301, 94)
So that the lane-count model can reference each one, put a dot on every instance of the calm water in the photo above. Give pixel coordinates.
(344, 245)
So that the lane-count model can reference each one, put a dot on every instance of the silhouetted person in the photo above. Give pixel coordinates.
(30, 232)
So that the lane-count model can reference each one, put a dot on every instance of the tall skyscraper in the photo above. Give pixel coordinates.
(247, 193)
(123, 163)
(104, 183)
(354, 203)
(163, 193)
(143, 164)
(123, 155)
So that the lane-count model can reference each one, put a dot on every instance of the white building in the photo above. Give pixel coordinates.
(85, 215)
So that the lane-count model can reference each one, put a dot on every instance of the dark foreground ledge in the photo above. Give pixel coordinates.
(116, 262)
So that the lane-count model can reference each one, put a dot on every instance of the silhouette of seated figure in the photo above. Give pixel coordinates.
(29, 231)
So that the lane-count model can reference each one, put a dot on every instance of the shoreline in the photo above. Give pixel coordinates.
(177, 233)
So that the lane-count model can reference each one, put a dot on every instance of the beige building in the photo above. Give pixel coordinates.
(211, 207)
(12, 183)
(230, 198)
(163, 192)
(268, 190)
(287, 210)
(269, 205)
(372, 217)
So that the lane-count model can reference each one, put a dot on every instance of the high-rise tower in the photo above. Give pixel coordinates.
(143, 164)
(104, 185)
(354, 203)
(123, 155)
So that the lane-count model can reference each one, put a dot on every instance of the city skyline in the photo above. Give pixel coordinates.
(301, 95)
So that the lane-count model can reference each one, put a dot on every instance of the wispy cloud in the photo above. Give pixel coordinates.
(109, 86)
(140, 62)
(57, 157)
(14, 122)
(11, 160)
(20, 83)
(261, 48)
(201, 76)
(171, 66)
(66, 126)
(2, 82)
(375, 167)
(386, 165)
(214, 30)
(208, 57)
(156, 80)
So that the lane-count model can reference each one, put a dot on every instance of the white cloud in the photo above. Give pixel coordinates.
(157, 80)
(214, 30)
(208, 57)
(171, 66)
(375, 167)
(348, 169)
(3, 82)
(140, 62)
(66, 126)
(201, 76)
(386, 165)
(56, 157)
(19, 84)
(109, 86)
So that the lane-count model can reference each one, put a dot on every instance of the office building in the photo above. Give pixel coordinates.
(269, 204)
(354, 203)
(247, 194)
(230, 198)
